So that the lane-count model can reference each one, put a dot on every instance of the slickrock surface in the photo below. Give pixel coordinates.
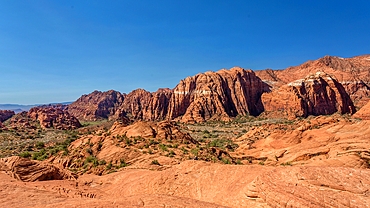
(54, 117)
(197, 184)
(217, 96)
(5, 115)
(30, 170)
(96, 105)
(364, 112)
(324, 141)
(317, 94)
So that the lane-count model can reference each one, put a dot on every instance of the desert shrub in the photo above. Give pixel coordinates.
(25, 154)
(100, 144)
(171, 153)
(89, 150)
(194, 151)
(155, 162)
(40, 145)
(122, 163)
(223, 144)
(163, 147)
(109, 166)
(91, 159)
(226, 161)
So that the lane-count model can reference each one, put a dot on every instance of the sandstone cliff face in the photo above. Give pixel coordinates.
(317, 94)
(353, 73)
(54, 117)
(5, 115)
(217, 95)
(96, 105)
(143, 105)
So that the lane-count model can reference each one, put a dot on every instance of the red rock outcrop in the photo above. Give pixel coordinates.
(5, 115)
(317, 94)
(30, 170)
(96, 105)
(54, 117)
(363, 113)
(217, 95)
(353, 73)
(143, 105)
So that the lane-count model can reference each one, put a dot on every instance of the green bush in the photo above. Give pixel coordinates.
(40, 145)
(25, 154)
(155, 162)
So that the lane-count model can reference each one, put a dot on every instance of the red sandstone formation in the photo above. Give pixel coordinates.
(217, 95)
(96, 105)
(143, 105)
(364, 112)
(353, 73)
(54, 117)
(5, 115)
(317, 94)
(30, 170)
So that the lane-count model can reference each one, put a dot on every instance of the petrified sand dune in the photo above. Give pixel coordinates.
(31, 170)
(195, 184)
(364, 112)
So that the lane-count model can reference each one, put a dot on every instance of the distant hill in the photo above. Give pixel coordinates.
(19, 108)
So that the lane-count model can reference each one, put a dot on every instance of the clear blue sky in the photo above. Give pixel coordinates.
(55, 51)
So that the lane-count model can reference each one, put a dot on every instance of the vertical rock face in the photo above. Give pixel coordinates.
(353, 73)
(5, 115)
(143, 105)
(54, 117)
(317, 94)
(96, 105)
(217, 95)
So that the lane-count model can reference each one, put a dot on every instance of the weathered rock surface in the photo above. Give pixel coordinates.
(353, 73)
(363, 113)
(96, 105)
(143, 105)
(317, 94)
(5, 115)
(217, 95)
(30, 170)
(54, 117)
(195, 184)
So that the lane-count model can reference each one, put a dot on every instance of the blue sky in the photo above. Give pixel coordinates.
(55, 51)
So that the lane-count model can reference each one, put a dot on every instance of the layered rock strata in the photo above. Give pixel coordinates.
(317, 94)
(217, 95)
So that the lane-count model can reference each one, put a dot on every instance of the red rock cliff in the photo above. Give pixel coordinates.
(317, 94)
(96, 105)
(217, 95)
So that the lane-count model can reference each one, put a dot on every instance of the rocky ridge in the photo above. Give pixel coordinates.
(6, 114)
(54, 117)
(316, 94)
(96, 105)
(353, 73)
